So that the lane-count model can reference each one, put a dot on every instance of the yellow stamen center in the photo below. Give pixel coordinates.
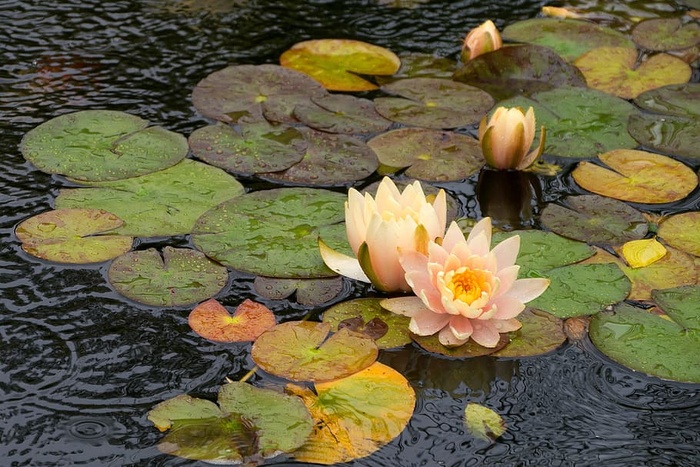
(467, 285)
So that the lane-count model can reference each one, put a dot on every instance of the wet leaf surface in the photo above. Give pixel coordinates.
(483, 422)
(682, 231)
(421, 65)
(340, 113)
(674, 135)
(468, 350)
(541, 333)
(666, 34)
(212, 321)
(680, 303)
(681, 100)
(309, 292)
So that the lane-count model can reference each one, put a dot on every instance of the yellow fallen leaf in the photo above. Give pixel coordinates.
(640, 253)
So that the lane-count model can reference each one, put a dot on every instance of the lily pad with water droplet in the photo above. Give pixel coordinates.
(258, 147)
(274, 233)
(309, 292)
(541, 333)
(666, 34)
(681, 100)
(340, 113)
(433, 103)
(431, 155)
(483, 422)
(179, 277)
(680, 304)
(682, 231)
(649, 343)
(163, 203)
(76, 236)
(673, 135)
(98, 145)
(637, 176)
(337, 63)
(304, 351)
(212, 321)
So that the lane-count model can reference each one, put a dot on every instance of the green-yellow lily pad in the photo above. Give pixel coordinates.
(680, 100)
(101, 145)
(666, 34)
(680, 303)
(303, 351)
(614, 70)
(337, 63)
(679, 136)
(309, 292)
(341, 113)
(637, 176)
(469, 349)
(682, 231)
(76, 236)
(541, 333)
(483, 422)
(212, 321)
(179, 277)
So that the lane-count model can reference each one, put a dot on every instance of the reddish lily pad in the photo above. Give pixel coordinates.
(682, 231)
(212, 321)
(258, 147)
(302, 351)
(681, 100)
(254, 91)
(666, 34)
(431, 155)
(340, 113)
(336, 63)
(674, 135)
(309, 292)
(541, 333)
(468, 350)
(76, 236)
(179, 277)
(483, 422)
(101, 145)
(637, 176)
(433, 103)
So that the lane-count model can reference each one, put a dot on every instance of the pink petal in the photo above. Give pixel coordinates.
(506, 278)
(405, 306)
(506, 252)
(525, 290)
(481, 227)
(461, 327)
(427, 323)
(507, 325)
(507, 307)
(413, 262)
(448, 339)
(453, 236)
(485, 333)
(384, 254)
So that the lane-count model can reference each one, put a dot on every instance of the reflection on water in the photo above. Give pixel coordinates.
(81, 366)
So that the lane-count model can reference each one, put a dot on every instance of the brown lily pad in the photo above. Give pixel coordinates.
(661, 34)
(309, 292)
(340, 113)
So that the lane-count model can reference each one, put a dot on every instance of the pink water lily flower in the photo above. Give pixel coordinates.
(464, 289)
(507, 136)
(480, 40)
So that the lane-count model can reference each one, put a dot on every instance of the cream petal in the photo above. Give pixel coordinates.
(453, 236)
(506, 279)
(437, 253)
(427, 323)
(440, 207)
(384, 255)
(485, 333)
(480, 245)
(506, 252)
(507, 307)
(342, 264)
(461, 327)
(406, 306)
(506, 325)
(525, 290)
(483, 227)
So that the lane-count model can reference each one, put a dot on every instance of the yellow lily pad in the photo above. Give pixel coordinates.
(483, 422)
(640, 253)
(682, 231)
(637, 176)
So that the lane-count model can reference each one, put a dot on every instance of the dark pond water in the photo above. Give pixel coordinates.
(80, 366)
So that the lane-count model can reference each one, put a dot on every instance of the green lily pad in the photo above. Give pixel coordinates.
(569, 38)
(468, 350)
(182, 407)
(329, 160)
(159, 204)
(614, 70)
(421, 65)
(254, 91)
(258, 147)
(649, 343)
(433, 103)
(101, 145)
(682, 231)
(541, 333)
(582, 289)
(680, 304)
(337, 63)
(302, 351)
(309, 292)
(368, 309)
(637, 176)
(179, 277)
(523, 69)
(76, 236)
(666, 34)
(595, 219)
(673, 135)
(483, 422)
(274, 233)
(341, 113)
(431, 155)
(681, 100)
(580, 122)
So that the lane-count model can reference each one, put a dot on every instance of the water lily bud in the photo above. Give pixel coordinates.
(480, 40)
(507, 136)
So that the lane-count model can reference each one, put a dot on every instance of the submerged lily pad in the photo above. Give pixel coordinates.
(681, 100)
(101, 145)
(666, 34)
(674, 135)
(159, 204)
(76, 236)
(275, 232)
(637, 176)
(433, 103)
(541, 333)
(309, 292)
(179, 277)
(336, 63)
(212, 321)
(303, 351)
(483, 422)
(682, 231)
(431, 155)
(340, 113)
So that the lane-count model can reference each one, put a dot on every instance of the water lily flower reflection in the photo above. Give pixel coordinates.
(507, 136)
(380, 229)
(480, 40)
(464, 289)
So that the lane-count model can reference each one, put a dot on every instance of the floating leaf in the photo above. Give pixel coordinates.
(649, 343)
(356, 415)
(163, 203)
(179, 277)
(336, 63)
(541, 333)
(614, 70)
(469, 349)
(274, 233)
(101, 145)
(182, 407)
(251, 90)
(76, 236)
(420, 65)
(595, 219)
(302, 351)
(666, 34)
(433, 103)
(309, 292)
(674, 135)
(431, 155)
(680, 304)
(483, 422)
(641, 253)
(637, 176)
(212, 321)
(682, 231)
(340, 113)
(681, 100)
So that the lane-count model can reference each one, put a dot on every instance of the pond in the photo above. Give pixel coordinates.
(81, 366)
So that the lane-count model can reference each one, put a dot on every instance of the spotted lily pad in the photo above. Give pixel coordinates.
(253, 91)
(637, 176)
(666, 34)
(681, 100)
(336, 63)
(76, 236)
(431, 155)
(340, 113)
(614, 70)
(674, 135)
(309, 292)
(682, 231)
(303, 351)
(483, 422)
(179, 277)
(258, 147)
(541, 333)
(159, 204)
(212, 321)
(100, 145)
(433, 103)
